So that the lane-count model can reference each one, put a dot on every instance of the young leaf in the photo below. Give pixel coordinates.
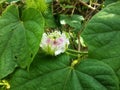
(19, 38)
(56, 73)
(40, 5)
(73, 21)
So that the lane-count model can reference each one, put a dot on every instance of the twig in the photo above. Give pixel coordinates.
(88, 16)
(79, 45)
(73, 8)
(89, 6)
(75, 51)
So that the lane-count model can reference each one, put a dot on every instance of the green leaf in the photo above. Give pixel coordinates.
(67, 6)
(102, 35)
(74, 21)
(13, 0)
(49, 19)
(107, 2)
(56, 73)
(86, 0)
(48, 1)
(40, 5)
(118, 73)
(19, 38)
(1, 1)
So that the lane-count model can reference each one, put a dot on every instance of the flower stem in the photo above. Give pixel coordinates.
(71, 54)
(75, 51)
(2, 84)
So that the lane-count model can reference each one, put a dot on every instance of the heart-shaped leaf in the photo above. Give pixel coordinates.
(56, 73)
(19, 38)
(102, 35)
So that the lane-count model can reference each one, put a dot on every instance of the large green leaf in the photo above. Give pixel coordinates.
(19, 38)
(56, 73)
(102, 35)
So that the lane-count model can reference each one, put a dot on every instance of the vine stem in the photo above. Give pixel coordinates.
(73, 9)
(71, 54)
(71, 50)
(79, 45)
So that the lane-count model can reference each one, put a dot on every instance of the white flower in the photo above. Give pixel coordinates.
(54, 43)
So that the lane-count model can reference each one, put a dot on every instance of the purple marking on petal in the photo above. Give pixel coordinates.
(61, 40)
(48, 41)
